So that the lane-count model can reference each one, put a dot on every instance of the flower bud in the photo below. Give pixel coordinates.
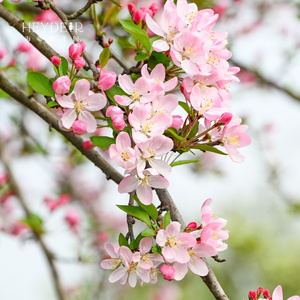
(138, 16)
(114, 111)
(3, 52)
(192, 226)
(147, 11)
(79, 62)
(106, 45)
(131, 7)
(260, 290)
(110, 40)
(62, 85)
(24, 47)
(252, 295)
(79, 127)
(76, 49)
(266, 293)
(168, 272)
(106, 80)
(119, 123)
(72, 217)
(56, 60)
(225, 118)
(88, 145)
(154, 8)
(3, 178)
(176, 122)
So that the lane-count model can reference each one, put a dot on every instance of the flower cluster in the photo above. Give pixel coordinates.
(175, 251)
(261, 294)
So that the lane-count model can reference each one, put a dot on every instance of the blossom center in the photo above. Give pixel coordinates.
(234, 140)
(125, 155)
(173, 242)
(79, 105)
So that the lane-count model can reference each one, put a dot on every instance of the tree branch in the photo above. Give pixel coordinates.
(81, 11)
(6, 162)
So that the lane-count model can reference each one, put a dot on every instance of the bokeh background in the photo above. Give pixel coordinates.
(260, 198)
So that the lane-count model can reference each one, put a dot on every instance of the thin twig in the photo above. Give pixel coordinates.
(81, 11)
(6, 162)
(130, 220)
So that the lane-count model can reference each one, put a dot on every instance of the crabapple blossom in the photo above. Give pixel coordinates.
(168, 272)
(278, 295)
(79, 105)
(79, 62)
(79, 127)
(76, 49)
(115, 260)
(56, 60)
(106, 79)
(88, 145)
(62, 200)
(62, 85)
(175, 243)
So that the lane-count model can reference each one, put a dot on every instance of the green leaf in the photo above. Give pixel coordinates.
(40, 84)
(137, 33)
(150, 209)
(102, 142)
(115, 2)
(157, 58)
(172, 131)
(141, 56)
(183, 162)
(194, 131)
(156, 249)
(167, 219)
(104, 57)
(137, 212)
(35, 223)
(184, 106)
(136, 243)
(109, 14)
(208, 148)
(148, 232)
(123, 241)
(52, 104)
(63, 67)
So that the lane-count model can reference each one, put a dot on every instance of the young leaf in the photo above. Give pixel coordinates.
(102, 142)
(183, 162)
(137, 212)
(208, 148)
(148, 232)
(123, 241)
(141, 56)
(35, 223)
(40, 84)
(167, 219)
(115, 90)
(172, 131)
(137, 33)
(63, 67)
(184, 106)
(156, 249)
(52, 104)
(115, 2)
(104, 57)
(109, 14)
(136, 242)
(194, 131)
(150, 209)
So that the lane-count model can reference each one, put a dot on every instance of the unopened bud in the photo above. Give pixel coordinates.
(106, 45)
(225, 118)
(192, 226)
(79, 62)
(79, 127)
(110, 40)
(88, 145)
(154, 7)
(138, 16)
(168, 272)
(56, 60)
(266, 293)
(131, 7)
(252, 295)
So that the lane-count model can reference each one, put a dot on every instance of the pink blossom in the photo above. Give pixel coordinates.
(3, 178)
(3, 52)
(175, 243)
(138, 15)
(79, 127)
(53, 204)
(79, 62)
(72, 217)
(225, 118)
(128, 270)
(80, 104)
(278, 295)
(122, 153)
(115, 260)
(143, 184)
(176, 122)
(145, 259)
(19, 228)
(47, 16)
(117, 116)
(55, 60)
(234, 137)
(106, 80)
(168, 272)
(62, 85)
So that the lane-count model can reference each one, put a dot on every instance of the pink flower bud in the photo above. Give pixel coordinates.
(3, 178)
(168, 272)
(56, 60)
(266, 293)
(176, 122)
(260, 290)
(106, 80)
(24, 47)
(3, 52)
(82, 46)
(75, 50)
(192, 226)
(225, 118)
(114, 111)
(63, 199)
(88, 145)
(79, 127)
(119, 123)
(62, 85)
(102, 237)
(138, 16)
(19, 228)
(252, 295)
(110, 40)
(72, 217)
(79, 62)
(154, 7)
(147, 11)
(131, 7)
